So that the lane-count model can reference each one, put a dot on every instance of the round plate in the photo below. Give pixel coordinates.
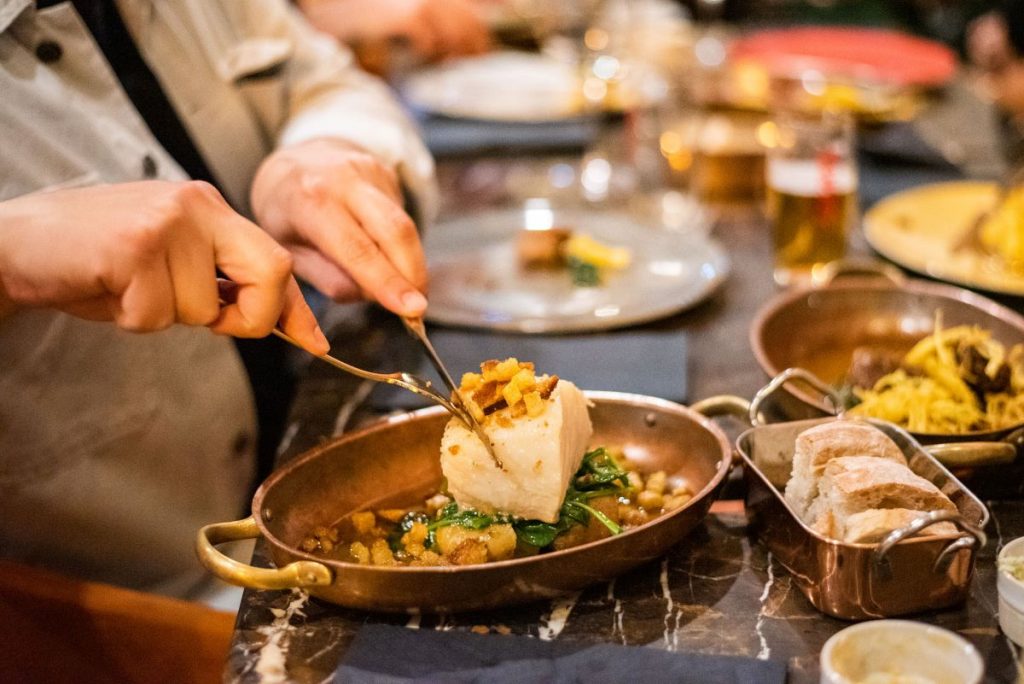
(477, 281)
(919, 228)
(501, 86)
(876, 55)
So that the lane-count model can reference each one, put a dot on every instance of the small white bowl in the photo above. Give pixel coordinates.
(899, 652)
(1011, 595)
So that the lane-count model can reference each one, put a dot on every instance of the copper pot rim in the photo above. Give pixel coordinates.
(654, 403)
(875, 284)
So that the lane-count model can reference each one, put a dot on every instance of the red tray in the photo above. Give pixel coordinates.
(870, 54)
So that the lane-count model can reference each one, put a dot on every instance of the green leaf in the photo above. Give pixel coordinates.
(536, 533)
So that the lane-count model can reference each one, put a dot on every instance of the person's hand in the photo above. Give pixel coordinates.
(145, 255)
(339, 211)
(435, 29)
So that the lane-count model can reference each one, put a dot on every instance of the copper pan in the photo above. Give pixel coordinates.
(818, 328)
(395, 462)
(898, 576)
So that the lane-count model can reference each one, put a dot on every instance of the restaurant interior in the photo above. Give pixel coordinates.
(512, 341)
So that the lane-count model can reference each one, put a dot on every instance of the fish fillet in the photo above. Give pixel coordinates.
(540, 455)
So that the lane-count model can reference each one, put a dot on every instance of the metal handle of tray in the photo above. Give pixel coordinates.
(970, 536)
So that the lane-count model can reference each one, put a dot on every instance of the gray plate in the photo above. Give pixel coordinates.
(476, 280)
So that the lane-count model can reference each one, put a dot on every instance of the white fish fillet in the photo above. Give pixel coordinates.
(540, 456)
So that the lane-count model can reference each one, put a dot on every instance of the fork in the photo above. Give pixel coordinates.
(418, 330)
(407, 381)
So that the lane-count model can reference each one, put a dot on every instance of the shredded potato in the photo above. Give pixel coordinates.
(953, 381)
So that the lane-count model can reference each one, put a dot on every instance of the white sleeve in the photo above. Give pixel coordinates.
(328, 95)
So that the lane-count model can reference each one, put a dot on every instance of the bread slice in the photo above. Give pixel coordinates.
(853, 484)
(872, 526)
(818, 445)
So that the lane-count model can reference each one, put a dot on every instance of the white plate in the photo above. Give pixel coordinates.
(919, 229)
(476, 280)
(500, 86)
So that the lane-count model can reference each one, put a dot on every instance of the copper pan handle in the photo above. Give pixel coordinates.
(864, 266)
(723, 405)
(969, 537)
(972, 454)
(292, 576)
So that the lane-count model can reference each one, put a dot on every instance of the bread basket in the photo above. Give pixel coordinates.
(903, 574)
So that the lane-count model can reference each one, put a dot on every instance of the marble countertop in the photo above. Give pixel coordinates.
(717, 592)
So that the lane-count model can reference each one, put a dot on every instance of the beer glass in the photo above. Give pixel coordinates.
(811, 180)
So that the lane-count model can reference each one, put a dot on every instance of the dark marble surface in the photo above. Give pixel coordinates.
(717, 592)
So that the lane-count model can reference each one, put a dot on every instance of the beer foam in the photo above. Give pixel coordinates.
(807, 178)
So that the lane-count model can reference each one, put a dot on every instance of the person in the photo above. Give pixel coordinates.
(143, 144)
(433, 29)
(995, 44)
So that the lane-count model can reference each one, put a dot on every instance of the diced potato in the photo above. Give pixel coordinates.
(635, 517)
(363, 522)
(503, 371)
(649, 500)
(676, 501)
(681, 488)
(524, 379)
(512, 394)
(499, 540)
(380, 553)
(469, 552)
(359, 552)
(656, 482)
(392, 514)
(470, 381)
(417, 534)
(534, 404)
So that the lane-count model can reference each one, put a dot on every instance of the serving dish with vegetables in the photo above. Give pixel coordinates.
(393, 466)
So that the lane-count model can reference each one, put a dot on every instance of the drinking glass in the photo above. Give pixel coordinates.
(811, 180)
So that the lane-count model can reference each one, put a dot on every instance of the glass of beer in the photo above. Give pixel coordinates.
(811, 184)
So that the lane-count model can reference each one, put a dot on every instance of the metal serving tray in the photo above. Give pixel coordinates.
(900, 575)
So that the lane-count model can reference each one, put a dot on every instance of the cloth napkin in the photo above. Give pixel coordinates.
(651, 362)
(384, 654)
(446, 136)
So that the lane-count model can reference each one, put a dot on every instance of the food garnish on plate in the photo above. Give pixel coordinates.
(586, 258)
(954, 381)
(552, 492)
(1002, 231)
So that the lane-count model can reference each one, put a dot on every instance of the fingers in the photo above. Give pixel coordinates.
(325, 275)
(346, 241)
(148, 303)
(262, 270)
(392, 229)
(298, 321)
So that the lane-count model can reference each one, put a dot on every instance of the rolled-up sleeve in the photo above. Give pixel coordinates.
(329, 96)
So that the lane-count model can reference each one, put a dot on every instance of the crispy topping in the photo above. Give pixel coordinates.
(510, 384)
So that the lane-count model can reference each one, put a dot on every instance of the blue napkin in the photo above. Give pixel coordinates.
(651, 362)
(450, 137)
(384, 654)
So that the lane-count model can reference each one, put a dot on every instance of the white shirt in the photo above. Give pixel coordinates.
(115, 448)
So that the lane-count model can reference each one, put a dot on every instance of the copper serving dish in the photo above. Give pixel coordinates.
(818, 329)
(395, 462)
(898, 576)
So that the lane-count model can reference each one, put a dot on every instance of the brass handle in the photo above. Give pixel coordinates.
(292, 576)
(723, 405)
(853, 266)
(972, 454)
